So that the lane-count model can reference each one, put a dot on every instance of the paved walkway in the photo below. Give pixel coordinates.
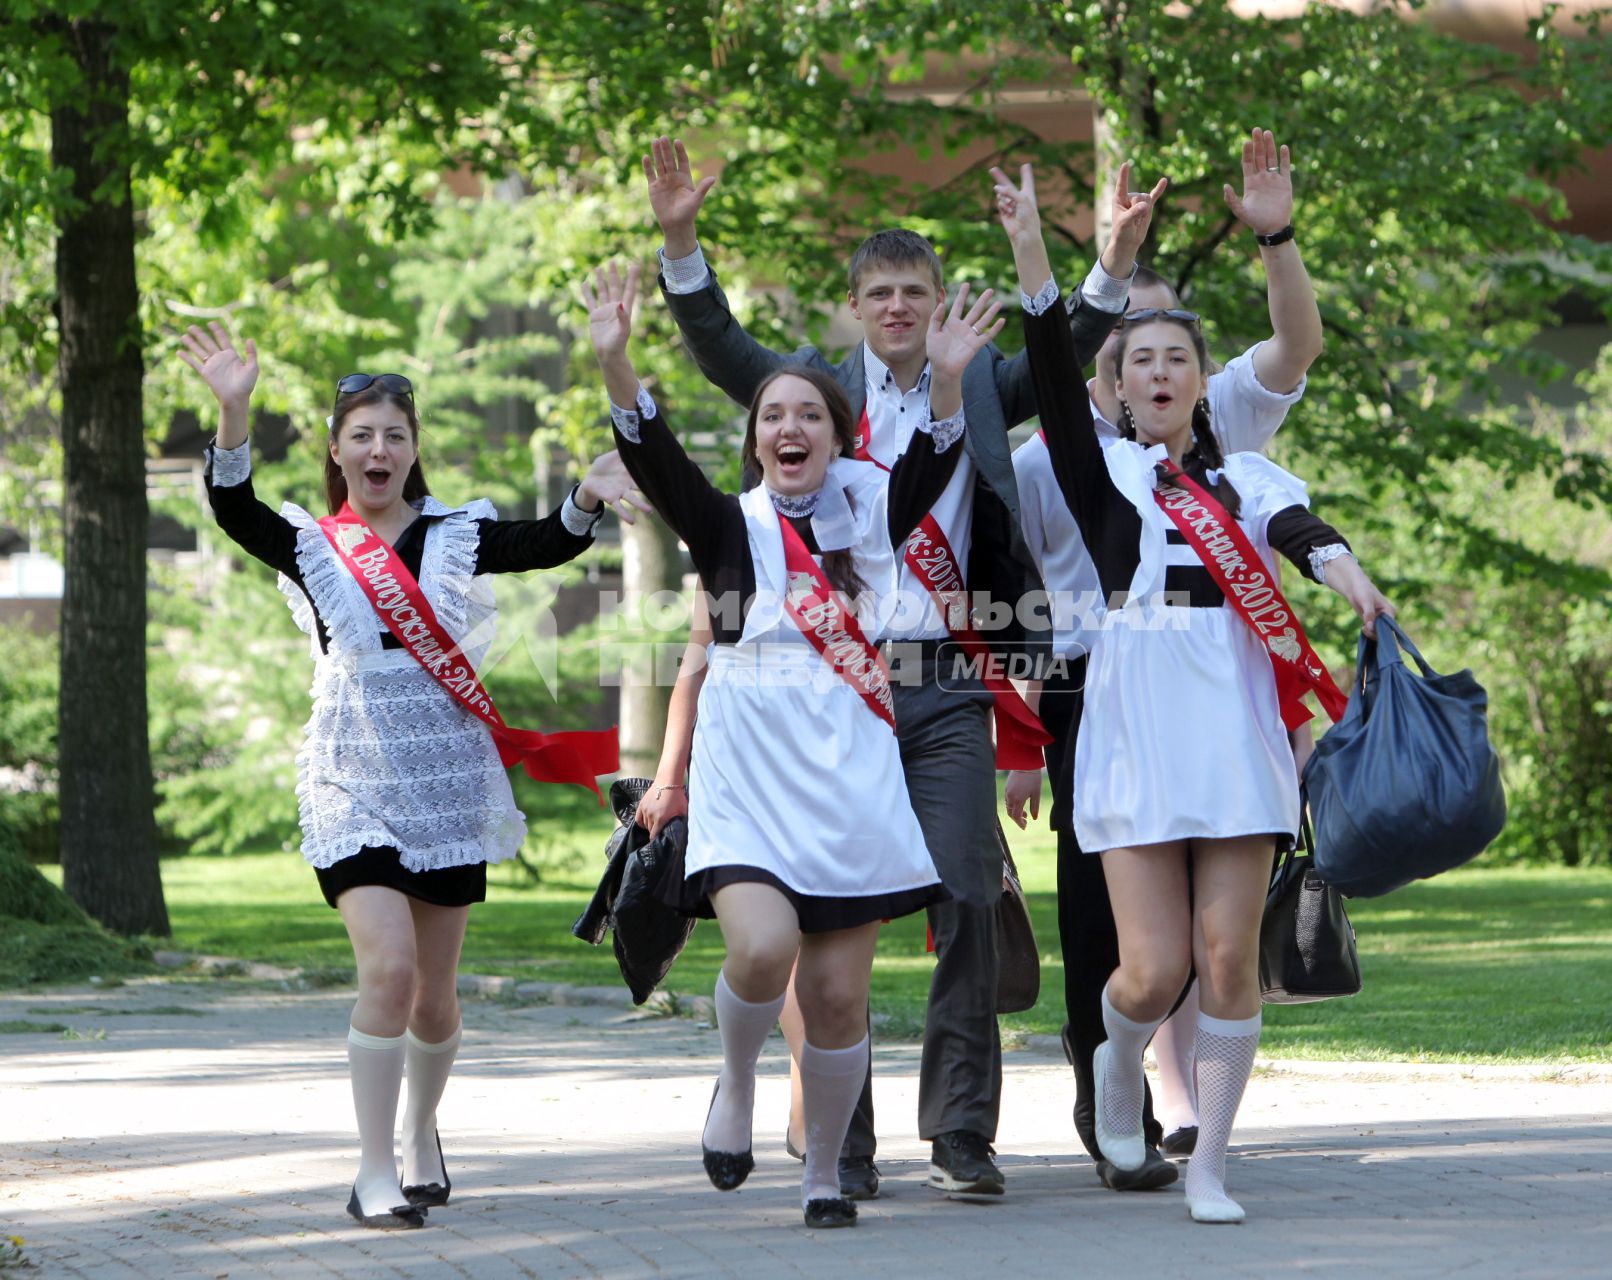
(217, 1143)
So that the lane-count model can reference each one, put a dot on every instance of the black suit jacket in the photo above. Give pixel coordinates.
(998, 393)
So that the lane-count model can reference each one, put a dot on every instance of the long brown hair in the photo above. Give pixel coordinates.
(414, 485)
(1205, 443)
(837, 566)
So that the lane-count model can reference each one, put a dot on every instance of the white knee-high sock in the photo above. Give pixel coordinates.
(1122, 1083)
(376, 1066)
(1175, 1102)
(831, 1081)
(744, 1028)
(427, 1067)
(1225, 1052)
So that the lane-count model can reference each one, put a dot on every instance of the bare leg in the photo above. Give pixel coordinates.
(762, 935)
(1177, 1097)
(433, 1036)
(1230, 877)
(793, 1026)
(382, 932)
(832, 987)
(1149, 890)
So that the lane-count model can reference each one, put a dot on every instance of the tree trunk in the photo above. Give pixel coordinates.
(109, 851)
(650, 565)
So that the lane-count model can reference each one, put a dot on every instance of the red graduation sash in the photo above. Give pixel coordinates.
(1019, 733)
(832, 629)
(394, 594)
(1251, 590)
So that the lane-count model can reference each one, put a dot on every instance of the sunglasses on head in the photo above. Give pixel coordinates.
(393, 382)
(1160, 313)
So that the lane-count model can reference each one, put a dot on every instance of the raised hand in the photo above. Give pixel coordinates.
(1266, 204)
(956, 336)
(609, 484)
(1132, 215)
(673, 194)
(210, 353)
(610, 301)
(1016, 205)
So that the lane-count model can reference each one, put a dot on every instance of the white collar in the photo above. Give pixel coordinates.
(879, 375)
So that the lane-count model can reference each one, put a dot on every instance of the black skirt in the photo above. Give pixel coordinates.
(817, 914)
(381, 865)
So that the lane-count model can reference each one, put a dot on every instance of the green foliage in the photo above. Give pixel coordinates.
(29, 816)
(45, 937)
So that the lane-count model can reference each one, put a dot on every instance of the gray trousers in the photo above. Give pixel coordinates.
(950, 765)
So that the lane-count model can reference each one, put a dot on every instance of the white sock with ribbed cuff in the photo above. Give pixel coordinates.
(1225, 1058)
(830, 1082)
(375, 1064)
(744, 1028)
(427, 1067)
(1117, 1065)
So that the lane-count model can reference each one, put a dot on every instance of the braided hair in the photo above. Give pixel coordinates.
(1205, 445)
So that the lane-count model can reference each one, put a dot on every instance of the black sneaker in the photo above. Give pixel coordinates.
(859, 1178)
(960, 1165)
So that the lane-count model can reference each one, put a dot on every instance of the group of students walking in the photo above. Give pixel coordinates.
(837, 769)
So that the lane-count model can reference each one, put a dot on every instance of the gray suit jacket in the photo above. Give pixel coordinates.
(997, 394)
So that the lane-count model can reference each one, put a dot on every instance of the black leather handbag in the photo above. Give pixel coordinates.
(1018, 961)
(1306, 943)
(1406, 785)
(648, 934)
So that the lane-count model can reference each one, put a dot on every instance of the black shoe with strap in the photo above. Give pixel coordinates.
(830, 1213)
(960, 1165)
(1154, 1172)
(431, 1195)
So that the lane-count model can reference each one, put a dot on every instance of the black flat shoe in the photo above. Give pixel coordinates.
(1180, 1142)
(404, 1217)
(727, 1170)
(428, 1195)
(859, 1178)
(830, 1213)
(1154, 1172)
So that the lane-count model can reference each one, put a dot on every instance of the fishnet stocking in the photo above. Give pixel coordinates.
(1225, 1053)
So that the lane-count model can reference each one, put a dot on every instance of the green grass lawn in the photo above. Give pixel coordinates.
(1480, 965)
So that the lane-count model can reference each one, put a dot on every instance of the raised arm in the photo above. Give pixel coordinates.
(1060, 385)
(1266, 208)
(257, 529)
(1099, 302)
(689, 503)
(728, 356)
(956, 335)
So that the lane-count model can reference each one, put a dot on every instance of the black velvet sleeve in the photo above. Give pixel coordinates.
(708, 521)
(252, 525)
(919, 477)
(1109, 524)
(1295, 531)
(515, 546)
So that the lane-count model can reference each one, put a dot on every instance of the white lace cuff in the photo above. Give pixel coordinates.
(626, 420)
(1320, 557)
(577, 521)
(1045, 296)
(229, 467)
(1106, 292)
(945, 432)
(684, 275)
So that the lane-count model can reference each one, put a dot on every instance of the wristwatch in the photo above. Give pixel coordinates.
(1276, 237)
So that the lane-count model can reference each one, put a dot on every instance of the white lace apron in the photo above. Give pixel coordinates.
(389, 758)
